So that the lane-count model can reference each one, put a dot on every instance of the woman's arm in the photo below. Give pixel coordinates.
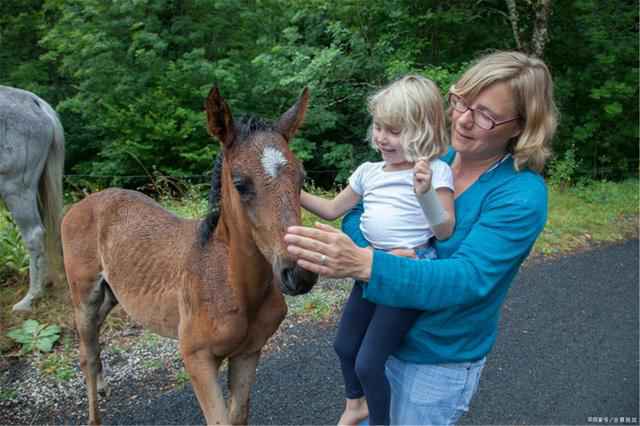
(330, 209)
(489, 255)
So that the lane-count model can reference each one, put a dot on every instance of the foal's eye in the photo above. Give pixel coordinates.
(243, 186)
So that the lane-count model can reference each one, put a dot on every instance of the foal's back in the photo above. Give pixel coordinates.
(127, 241)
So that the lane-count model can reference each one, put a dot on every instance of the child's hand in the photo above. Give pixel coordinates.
(404, 252)
(421, 177)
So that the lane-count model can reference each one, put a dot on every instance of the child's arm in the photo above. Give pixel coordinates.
(330, 209)
(438, 205)
(445, 229)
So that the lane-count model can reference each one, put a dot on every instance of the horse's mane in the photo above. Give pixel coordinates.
(248, 124)
(244, 127)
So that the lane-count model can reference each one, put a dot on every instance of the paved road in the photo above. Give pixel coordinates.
(567, 351)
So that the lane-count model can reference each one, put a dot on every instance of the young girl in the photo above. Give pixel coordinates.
(407, 200)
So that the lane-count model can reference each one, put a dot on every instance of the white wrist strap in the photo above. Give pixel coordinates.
(432, 207)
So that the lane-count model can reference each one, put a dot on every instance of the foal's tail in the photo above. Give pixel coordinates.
(50, 197)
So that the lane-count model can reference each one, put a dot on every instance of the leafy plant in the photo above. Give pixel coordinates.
(34, 336)
(8, 394)
(563, 170)
(13, 254)
(152, 364)
(182, 378)
(58, 366)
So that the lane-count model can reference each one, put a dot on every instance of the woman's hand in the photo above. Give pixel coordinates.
(421, 177)
(328, 252)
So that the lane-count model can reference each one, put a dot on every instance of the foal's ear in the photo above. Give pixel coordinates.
(219, 119)
(292, 119)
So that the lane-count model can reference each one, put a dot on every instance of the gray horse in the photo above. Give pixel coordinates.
(31, 168)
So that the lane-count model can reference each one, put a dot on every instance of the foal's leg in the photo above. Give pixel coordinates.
(242, 376)
(87, 314)
(203, 368)
(242, 367)
(24, 210)
(107, 305)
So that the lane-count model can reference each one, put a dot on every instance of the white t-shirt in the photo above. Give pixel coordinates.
(392, 216)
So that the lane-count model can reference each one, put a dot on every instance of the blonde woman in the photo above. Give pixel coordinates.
(503, 118)
(401, 215)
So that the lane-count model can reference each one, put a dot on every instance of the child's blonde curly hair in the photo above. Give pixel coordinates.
(414, 105)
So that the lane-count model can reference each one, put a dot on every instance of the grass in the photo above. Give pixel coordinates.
(320, 304)
(596, 212)
(59, 365)
(579, 217)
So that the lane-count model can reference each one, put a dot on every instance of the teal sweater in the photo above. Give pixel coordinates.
(498, 219)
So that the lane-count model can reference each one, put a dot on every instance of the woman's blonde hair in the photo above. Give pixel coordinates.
(414, 105)
(532, 88)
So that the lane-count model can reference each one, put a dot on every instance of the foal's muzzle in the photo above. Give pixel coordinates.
(295, 281)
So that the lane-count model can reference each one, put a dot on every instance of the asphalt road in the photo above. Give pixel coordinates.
(567, 354)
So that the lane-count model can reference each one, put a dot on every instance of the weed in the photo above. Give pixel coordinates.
(15, 259)
(562, 171)
(59, 366)
(320, 304)
(589, 212)
(182, 378)
(34, 336)
(149, 339)
(152, 364)
(8, 394)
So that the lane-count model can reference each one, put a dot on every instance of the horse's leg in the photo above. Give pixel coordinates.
(87, 313)
(242, 368)
(107, 305)
(242, 376)
(24, 210)
(203, 368)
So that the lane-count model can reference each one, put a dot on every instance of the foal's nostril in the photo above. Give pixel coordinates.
(288, 279)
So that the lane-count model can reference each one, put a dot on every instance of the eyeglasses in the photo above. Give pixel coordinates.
(480, 118)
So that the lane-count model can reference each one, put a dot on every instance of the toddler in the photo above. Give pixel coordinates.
(408, 200)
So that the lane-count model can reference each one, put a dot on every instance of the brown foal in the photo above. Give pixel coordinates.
(215, 284)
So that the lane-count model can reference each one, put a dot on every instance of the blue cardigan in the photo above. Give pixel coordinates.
(498, 219)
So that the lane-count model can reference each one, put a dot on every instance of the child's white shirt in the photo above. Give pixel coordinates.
(392, 216)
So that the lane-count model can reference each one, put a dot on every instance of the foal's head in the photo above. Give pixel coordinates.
(260, 180)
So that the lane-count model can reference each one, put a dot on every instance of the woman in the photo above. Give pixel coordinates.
(503, 118)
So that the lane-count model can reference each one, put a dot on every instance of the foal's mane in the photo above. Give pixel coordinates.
(244, 127)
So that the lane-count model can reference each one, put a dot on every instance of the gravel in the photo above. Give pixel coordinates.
(130, 358)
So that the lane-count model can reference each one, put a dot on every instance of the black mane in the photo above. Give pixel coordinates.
(248, 124)
(244, 127)
(209, 223)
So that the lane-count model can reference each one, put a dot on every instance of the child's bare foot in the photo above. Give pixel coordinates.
(356, 410)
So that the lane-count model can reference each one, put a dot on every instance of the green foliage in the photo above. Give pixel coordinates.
(563, 171)
(13, 254)
(590, 211)
(182, 378)
(152, 364)
(35, 337)
(59, 366)
(7, 394)
(320, 304)
(129, 78)
(597, 87)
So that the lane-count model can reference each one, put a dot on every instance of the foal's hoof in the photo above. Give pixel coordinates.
(105, 392)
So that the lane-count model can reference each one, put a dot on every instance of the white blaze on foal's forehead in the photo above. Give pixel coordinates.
(272, 161)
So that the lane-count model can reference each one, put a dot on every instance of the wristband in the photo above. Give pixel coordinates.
(432, 208)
